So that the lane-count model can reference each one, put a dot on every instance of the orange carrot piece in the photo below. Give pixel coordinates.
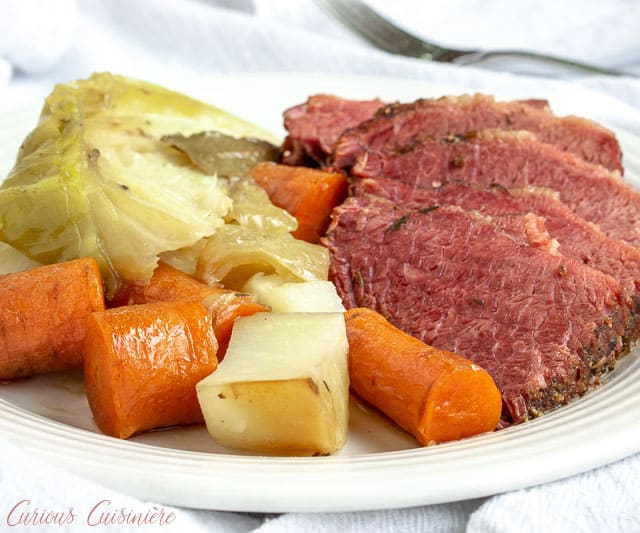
(142, 363)
(43, 312)
(171, 284)
(308, 194)
(434, 394)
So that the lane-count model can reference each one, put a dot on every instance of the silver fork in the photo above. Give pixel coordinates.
(366, 22)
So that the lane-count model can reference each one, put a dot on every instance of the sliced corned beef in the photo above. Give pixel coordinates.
(575, 237)
(314, 126)
(397, 125)
(514, 159)
(543, 325)
(493, 200)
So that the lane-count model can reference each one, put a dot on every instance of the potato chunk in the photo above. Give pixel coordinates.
(314, 296)
(283, 386)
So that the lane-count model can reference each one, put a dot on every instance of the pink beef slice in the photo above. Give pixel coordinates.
(397, 125)
(314, 126)
(543, 325)
(574, 237)
(514, 159)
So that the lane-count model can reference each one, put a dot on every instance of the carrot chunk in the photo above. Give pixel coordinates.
(171, 284)
(308, 194)
(43, 312)
(142, 363)
(434, 394)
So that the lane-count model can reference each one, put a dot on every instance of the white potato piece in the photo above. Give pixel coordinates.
(298, 297)
(283, 386)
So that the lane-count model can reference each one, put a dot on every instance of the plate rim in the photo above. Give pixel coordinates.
(358, 490)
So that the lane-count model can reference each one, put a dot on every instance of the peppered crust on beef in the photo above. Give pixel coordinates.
(543, 325)
(397, 125)
(514, 159)
(314, 126)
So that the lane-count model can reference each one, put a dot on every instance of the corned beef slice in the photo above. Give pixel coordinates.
(314, 126)
(575, 237)
(397, 125)
(544, 326)
(514, 159)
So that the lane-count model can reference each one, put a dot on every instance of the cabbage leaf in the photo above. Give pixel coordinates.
(94, 178)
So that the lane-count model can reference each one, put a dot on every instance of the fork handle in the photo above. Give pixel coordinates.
(477, 57)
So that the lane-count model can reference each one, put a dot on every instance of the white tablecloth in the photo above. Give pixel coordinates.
(176, 42)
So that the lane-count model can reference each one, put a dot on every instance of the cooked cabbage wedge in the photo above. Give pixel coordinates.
(236, 253)
(94, 178)
(253, 209)
(257, 239)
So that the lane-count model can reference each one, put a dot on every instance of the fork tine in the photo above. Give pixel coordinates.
(369, 24)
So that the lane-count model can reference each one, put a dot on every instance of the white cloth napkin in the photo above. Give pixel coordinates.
(32, 491)
(36, 33)
(176, 42)
(604, 33)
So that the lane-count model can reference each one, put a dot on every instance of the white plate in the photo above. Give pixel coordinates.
(381, 467)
